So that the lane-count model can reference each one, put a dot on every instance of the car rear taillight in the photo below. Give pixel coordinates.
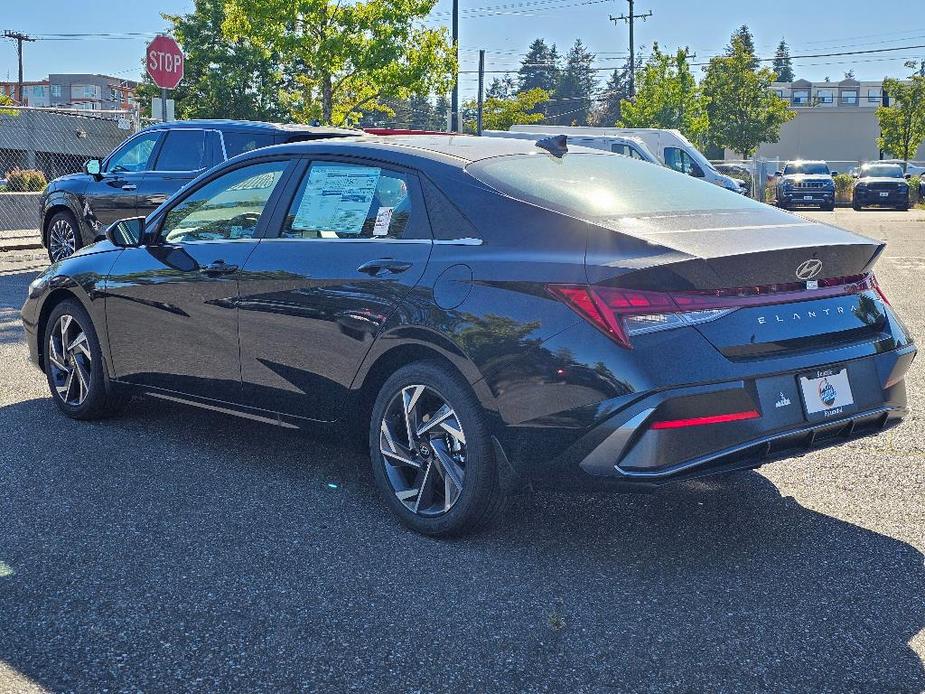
(621, 313)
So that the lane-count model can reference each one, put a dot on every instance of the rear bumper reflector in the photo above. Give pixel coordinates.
(700, 421)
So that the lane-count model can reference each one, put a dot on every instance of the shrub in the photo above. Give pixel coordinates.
(843, 186)
(25, 181)
(914, 197)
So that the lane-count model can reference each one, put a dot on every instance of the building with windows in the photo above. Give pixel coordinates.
(33, 93)
(835, 122)
(91, 92)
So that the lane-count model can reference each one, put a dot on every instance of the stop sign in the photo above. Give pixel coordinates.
(164, 61)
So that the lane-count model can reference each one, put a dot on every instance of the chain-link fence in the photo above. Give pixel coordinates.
(39, 145)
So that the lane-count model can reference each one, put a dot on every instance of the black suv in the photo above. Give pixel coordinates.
(148, 168)
(806, 184)
(880, 183)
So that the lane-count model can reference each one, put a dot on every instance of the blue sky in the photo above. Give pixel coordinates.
(507, 29)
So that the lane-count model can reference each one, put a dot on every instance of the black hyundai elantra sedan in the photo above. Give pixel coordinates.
(492, 314)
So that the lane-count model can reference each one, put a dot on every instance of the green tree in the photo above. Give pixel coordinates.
(783, 65)
(667, 96)
(346, 58)
(574, 90)
(902, 123)
(501, 88)
(223, 78)
(539, 68)
(615, 92)
(742, 110)
(501, 114)
(441, 113)
(742, 39)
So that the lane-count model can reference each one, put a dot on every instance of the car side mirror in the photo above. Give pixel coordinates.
(855, 175)
(834, 174)
(126, 233)
(93, 167)
(908, 175)
(778, 173)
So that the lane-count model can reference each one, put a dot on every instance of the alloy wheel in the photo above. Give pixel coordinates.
(423, 449)
(70, 361)
(62, 240)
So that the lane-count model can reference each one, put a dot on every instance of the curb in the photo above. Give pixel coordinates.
(20, 246)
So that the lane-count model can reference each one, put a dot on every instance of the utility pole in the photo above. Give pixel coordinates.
(454, 102)
(478, 124)
(18, 37)
(628, 18)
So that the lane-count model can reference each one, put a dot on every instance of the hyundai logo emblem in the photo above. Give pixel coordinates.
(809, 269)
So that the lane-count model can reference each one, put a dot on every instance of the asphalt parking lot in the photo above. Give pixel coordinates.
(173, 549)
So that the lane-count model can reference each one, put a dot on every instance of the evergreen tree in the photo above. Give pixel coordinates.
(573, 95)
(539, 68)
(441, 117)
(616, 90)
(850, 74)
(501, 88)
(421, 114)
(743, 37)
(783, 66)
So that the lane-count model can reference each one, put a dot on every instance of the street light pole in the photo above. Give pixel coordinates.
(454, 102)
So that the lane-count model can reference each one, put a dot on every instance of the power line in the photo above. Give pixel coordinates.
(630, 19)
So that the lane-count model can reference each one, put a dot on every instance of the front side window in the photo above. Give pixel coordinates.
(226, 208)
(679, 160)
(626, 151)
(134, 155)
(349, 201)
(183, 150)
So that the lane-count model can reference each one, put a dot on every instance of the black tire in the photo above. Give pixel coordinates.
(481, 499)
(828, 208)
(856, 207)
(783, 205)
(98, 401)
(63, 239)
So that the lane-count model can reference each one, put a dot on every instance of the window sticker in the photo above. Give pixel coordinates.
(383, 221)
(337, 198)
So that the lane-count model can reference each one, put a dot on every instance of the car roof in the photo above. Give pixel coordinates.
(253, 126)
(458, 149)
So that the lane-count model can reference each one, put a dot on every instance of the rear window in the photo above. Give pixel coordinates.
(813, 168)
(238, 142)
(602, 185)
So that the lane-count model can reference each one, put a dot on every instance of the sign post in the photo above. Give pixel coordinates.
(164, 61)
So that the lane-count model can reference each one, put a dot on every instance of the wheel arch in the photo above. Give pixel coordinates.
(61, 201)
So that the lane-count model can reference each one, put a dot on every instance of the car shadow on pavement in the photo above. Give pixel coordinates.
(173, 548)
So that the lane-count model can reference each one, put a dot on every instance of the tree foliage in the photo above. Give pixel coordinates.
(742, 110)
(539, 68)
(742, 39)
(902, 123)
(345, 58)
(667, 96)
(783, 65)
(502, 88)
(616, 90)
(574, 91)
(501, 114)
(223, 78)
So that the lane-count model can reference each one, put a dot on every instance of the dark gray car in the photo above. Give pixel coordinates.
(806, 184)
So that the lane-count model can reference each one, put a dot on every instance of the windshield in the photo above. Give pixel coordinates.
(602, 185)
(807, 167)
(882, 171)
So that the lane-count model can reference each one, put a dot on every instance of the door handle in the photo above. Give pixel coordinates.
(129, 186)
(382, 266)
(218, 267)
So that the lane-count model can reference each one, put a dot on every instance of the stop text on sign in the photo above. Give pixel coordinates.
(165, 62)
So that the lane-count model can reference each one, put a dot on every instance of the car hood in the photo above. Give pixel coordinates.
(96, 248)
(882, 179)
(75, 182)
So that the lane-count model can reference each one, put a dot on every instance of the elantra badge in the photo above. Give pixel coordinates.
(809, 269)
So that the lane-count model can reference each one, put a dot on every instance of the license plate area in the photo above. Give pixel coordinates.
(884, 195)
(826, 393)
(807, 197)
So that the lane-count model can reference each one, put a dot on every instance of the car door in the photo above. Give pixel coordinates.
(337, 260)
(184, 154)
(170, 304)
(113, 194)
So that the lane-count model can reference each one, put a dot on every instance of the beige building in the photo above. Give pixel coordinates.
(835, 121)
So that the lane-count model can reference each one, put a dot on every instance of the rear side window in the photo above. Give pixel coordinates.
(183, 150)
(349, 201)
(602, 185)
(239, 142)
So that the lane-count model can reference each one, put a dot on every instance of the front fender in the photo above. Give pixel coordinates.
(76, 204)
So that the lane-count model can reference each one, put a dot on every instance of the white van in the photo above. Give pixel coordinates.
(626, 145)
(670, 147)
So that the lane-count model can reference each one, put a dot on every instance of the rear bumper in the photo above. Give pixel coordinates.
(625, 451)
